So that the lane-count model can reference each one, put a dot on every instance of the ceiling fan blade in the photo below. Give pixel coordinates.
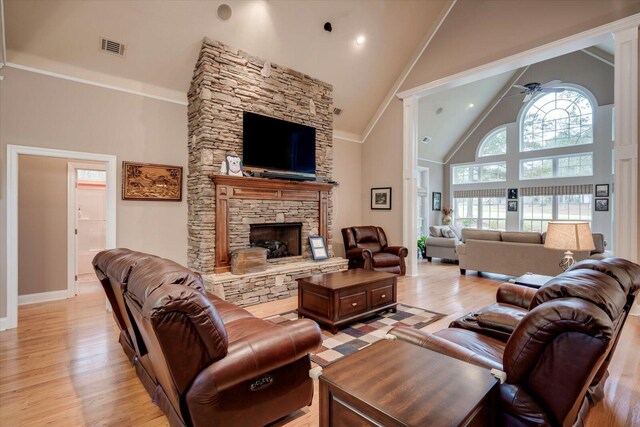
(520, 87)
(527, 98)
(552, 90)
(552, 83)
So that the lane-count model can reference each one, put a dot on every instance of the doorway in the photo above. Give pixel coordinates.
(12, 182)
(87, 202)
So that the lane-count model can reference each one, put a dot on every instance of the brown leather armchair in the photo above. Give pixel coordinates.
(366, 247)
(212, 363)
(553, 355)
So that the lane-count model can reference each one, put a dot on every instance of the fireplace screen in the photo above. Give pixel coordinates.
(280, 240)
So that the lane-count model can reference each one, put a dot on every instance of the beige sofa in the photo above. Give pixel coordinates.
(514, 253)
(442, 242)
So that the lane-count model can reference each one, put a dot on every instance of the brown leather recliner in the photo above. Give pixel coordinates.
(366, 247)
(553, 354)
(214, 363)
(513, 301)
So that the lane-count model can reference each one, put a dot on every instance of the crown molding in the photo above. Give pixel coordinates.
(95, 83)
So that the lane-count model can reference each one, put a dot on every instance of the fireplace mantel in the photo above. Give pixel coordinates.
(240, 187)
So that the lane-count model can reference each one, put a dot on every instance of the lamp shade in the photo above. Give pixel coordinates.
(569, 236)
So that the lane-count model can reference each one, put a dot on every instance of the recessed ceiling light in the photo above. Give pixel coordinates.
(224, 12)
(471, 105)
(360, 40)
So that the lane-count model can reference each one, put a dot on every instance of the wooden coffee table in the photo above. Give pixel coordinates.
(337, 299)
(394, 383)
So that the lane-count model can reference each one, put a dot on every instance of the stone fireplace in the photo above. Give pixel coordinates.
(280, 240)
(224, 210)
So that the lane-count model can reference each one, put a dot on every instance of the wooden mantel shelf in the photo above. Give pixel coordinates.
(250, 188)
(281, 184)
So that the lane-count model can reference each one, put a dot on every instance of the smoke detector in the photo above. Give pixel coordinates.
(337, 111)
(426, 139)
(111, 47)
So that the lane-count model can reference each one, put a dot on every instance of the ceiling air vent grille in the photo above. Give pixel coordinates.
(337, 111)
(112, 47)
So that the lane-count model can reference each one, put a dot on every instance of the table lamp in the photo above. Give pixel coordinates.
(569, 236)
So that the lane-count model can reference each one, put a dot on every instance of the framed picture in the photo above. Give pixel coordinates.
(602, 190)
(512, 206)
(318, 248)
(436, 201)
(381, 198)
(602, 205)
(146, 181)
(512, 193)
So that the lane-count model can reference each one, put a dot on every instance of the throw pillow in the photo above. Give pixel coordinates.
(457, 230)
(435, 231)
(447, 232)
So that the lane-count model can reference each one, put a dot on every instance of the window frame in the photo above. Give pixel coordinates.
(554, 166)
(555, 204)
(527, 106)
(481, 217)
(480, 167)
(488, 136)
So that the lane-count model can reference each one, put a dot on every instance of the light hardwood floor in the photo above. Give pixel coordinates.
(63, 365)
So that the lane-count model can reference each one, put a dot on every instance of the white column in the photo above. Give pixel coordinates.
(625, 226)
(409, 183)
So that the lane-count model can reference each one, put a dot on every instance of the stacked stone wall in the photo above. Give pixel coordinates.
(226, 83)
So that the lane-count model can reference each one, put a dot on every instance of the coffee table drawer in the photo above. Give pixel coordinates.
(381, 296)
(353, 304)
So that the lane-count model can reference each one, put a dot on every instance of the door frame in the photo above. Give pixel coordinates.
(13, 152)
(625, 33)
(72, 225)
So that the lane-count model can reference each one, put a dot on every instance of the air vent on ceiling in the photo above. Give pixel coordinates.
(337, 111)
(112, 47)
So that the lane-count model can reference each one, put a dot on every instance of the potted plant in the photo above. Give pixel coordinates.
(446, 216)
(422, 246)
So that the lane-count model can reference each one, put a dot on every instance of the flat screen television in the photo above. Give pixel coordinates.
(278, 145)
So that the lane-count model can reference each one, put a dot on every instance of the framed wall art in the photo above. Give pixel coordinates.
(436, 201)
(602, 190)
(146, 181)
(512, 193)
(381, 198)
(512, 206)
(602, 205)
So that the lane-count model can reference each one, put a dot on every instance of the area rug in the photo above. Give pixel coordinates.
(362, 334)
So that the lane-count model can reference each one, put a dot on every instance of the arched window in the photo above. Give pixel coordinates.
(555, 120)
(495, 143)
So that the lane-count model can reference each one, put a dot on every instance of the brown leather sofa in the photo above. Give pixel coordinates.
(207, 362)
(554, 354)
(366, 247)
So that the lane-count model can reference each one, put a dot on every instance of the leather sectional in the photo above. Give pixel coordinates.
(553, 344)
(204, 361)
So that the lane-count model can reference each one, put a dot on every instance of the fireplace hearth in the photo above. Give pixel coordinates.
(280, 240)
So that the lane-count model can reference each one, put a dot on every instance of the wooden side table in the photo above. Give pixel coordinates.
(337, 299)
(394, 383)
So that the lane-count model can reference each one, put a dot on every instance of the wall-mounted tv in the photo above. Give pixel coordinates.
(275, 144)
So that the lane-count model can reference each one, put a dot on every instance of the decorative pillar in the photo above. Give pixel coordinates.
(409, 182)
(626, 203)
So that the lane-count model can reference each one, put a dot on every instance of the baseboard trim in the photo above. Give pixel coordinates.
(4, 323)
(43, 297)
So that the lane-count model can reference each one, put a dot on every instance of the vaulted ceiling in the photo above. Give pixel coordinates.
(162, 40)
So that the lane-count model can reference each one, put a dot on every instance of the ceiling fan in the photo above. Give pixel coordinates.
(530, 89)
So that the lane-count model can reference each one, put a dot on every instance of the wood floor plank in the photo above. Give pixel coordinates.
(63, 365)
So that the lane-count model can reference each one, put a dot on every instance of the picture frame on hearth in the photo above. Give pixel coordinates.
(381, 198)
(318, 248)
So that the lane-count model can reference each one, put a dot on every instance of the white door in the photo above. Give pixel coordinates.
(90, 220)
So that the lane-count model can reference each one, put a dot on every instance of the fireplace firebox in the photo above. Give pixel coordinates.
(281, 240)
